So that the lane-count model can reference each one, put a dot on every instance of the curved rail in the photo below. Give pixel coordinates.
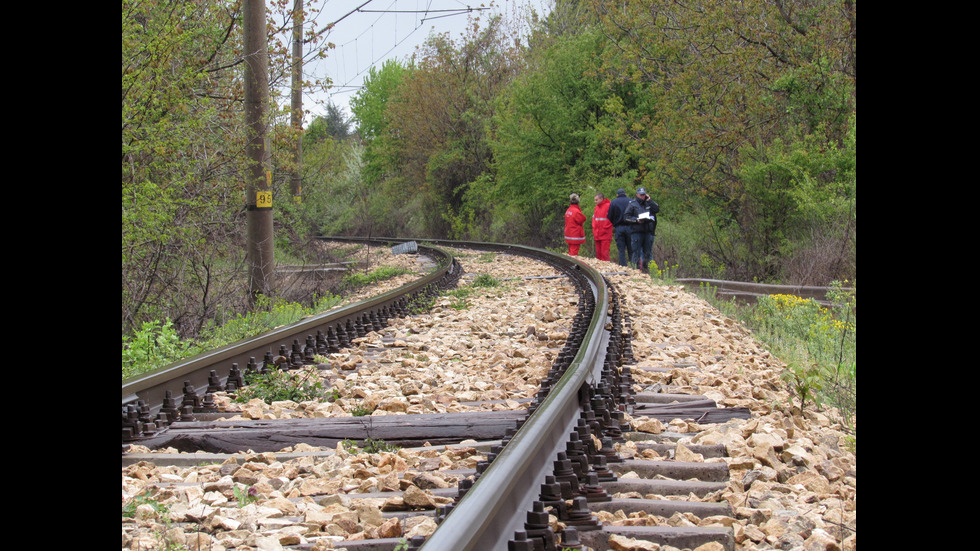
(581, 397)
(492, 513)
(485, 517)
(159, 392)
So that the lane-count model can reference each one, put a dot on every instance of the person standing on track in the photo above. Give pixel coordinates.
(602, 228)
(574, 225)
(621, 228)
(641, 214)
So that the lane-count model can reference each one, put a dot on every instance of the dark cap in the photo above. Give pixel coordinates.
(620, 191)
(641, 191)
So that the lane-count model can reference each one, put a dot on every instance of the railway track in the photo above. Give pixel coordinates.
(543, 476)
(154, 400)
(749, 292)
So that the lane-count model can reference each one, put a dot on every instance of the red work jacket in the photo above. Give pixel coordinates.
(574, 226)
(602, 228)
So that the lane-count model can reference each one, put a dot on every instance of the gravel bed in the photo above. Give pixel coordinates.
(793, 476)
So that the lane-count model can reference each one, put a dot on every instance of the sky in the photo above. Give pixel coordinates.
(369, 32)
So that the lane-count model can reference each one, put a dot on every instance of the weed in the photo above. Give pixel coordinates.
(419, 305)
(129, 509)
(818, 343)
(157, 344)
(381, 274)
(666, 273)
(369, 446)
(246, 496)
(361, 411)
(486, 280)
(274, 385)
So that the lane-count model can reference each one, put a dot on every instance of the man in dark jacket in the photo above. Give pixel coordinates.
(621, 228)
(641, 215)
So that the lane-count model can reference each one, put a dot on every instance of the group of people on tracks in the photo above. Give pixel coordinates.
(631, 222)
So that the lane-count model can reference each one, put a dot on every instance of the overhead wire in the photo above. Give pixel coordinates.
(347, 85)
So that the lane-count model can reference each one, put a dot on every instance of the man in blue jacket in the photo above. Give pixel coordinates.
(621, 228)
(641, 215)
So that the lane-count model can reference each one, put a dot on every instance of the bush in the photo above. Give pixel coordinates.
(157, 344)
(818, 343)
(275, 385)
(154, 345)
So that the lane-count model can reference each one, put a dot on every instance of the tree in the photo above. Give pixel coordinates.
(730, 87)
(181, 88)
(332, 124)
(551, 137)
(369, 108)
(434, 138)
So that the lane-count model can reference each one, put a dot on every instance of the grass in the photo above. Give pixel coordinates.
(459, 295)
(818, 343)
(275, 385)
(368, 446)
(380, 274)
(156, 343)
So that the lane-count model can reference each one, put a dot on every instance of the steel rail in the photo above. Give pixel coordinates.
(152, 387)
(494, 508)
(749, 291)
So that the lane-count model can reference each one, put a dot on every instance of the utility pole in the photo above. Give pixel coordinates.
(258, 189)
(296, 119)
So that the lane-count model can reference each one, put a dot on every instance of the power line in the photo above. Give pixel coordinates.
(348, 86)
(457, 10)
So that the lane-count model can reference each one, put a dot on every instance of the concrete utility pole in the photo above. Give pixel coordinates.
(296, 119)
(258, 189)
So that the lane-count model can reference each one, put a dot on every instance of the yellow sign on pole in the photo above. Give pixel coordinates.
(263, 199)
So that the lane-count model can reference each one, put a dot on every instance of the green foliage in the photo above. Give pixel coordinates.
(380, 274)
(458, 298)
(183, 165)
(433, 141)
(153, 345)
(269, 313)
(246, 496)
(368, 446)
(275, 385)
(179, 194)
(333, 125)
(550, 135)
(485, 280)
(361, 411)
(129, 508)
(157, 344)
(818, 343)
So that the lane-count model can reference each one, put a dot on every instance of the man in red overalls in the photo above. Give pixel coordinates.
(574, 226)
(602, 228)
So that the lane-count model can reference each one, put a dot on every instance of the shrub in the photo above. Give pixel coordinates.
(274, 385)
